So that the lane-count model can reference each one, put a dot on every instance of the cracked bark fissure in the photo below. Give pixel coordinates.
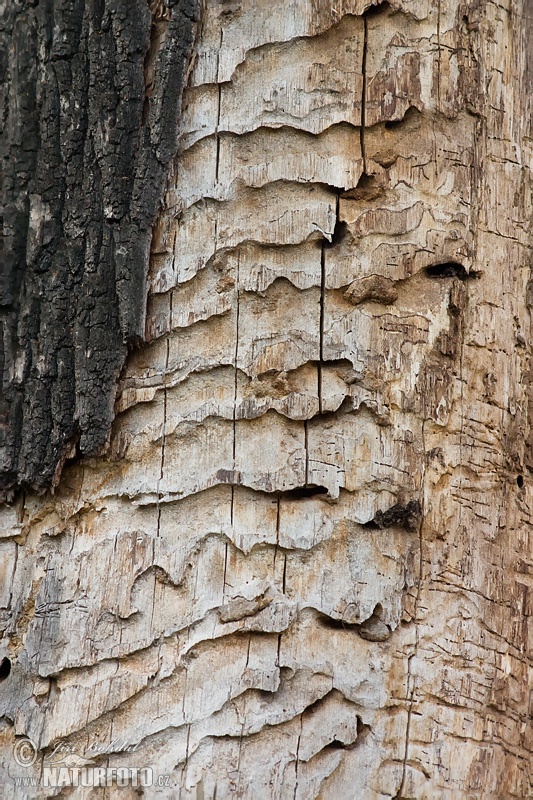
(91, 95)
(302, 571)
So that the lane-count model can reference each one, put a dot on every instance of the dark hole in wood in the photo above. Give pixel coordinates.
(339, 232)
(520, 481)
(337, 624)
(366, 181)
(409, 121)
(450, 269)
(378, 610)
(334, 745)
(5, 668)
(377, 8)
(305, 491)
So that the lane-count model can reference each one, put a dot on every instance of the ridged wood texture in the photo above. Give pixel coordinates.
(305, 568)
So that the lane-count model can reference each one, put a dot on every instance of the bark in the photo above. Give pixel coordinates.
(90, 108)
(303, 569)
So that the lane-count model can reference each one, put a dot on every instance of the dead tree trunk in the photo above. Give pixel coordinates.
(303, 566)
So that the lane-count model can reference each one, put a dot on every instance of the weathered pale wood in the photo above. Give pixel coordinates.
(304, 568)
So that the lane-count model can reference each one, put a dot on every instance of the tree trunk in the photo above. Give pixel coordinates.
(303, 568)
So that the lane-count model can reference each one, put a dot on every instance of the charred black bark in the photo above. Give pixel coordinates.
(91, 93)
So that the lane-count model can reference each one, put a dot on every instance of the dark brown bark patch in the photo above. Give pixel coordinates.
(90, 96)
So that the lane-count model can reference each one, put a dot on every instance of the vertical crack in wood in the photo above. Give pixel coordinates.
(364, 93)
